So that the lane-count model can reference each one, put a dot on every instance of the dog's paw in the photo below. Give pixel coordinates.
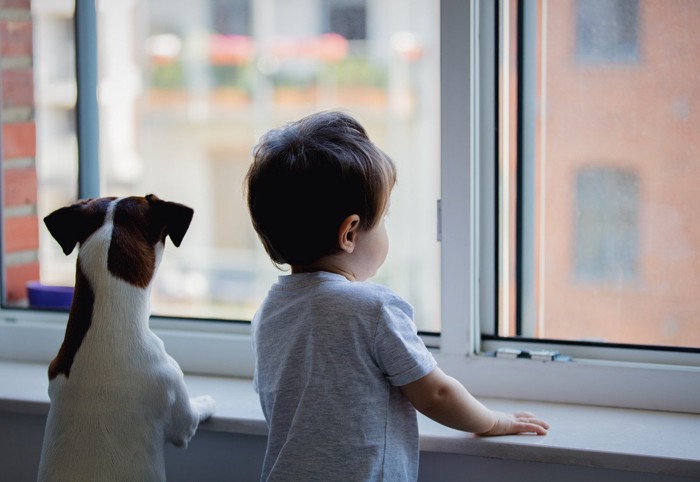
(204, 405)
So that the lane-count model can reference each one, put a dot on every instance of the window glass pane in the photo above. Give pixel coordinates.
(38, 91)
(614, 172)
(187, 88)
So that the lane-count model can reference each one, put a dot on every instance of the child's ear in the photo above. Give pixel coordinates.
(347, 233)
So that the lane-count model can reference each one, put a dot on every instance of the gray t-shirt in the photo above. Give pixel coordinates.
(330, 355)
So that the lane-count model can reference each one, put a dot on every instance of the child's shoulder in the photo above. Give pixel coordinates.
(374, 294)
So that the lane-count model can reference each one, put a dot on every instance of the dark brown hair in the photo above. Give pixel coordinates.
(307, 177)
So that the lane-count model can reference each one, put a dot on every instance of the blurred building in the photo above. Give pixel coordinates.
(619, 164)
(187, 88)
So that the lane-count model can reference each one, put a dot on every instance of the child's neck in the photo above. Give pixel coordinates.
(330, 263)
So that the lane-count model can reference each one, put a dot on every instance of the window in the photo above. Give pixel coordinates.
(347, 18)
(229, 17)
(522, 140)
(607, 30)
(606, 226)
(592, 175)
(185, 91)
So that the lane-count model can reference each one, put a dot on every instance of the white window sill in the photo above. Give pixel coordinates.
(585, 436)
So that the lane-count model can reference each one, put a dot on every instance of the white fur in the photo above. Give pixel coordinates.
(125, 396)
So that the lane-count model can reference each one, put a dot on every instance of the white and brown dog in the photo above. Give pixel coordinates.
(116, 395)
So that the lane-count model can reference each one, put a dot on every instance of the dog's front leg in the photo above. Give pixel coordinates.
(186, 413)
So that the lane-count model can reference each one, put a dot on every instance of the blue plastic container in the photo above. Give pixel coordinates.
(49, 297)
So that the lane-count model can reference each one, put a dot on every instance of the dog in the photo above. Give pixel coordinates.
(116, 396)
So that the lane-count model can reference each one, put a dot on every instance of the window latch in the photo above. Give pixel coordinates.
(439, 220)
(537, 355)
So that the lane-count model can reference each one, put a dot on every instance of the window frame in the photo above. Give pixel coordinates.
(487, 74)
(468, 237)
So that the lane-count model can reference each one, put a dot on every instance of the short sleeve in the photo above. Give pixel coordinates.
(399, 351)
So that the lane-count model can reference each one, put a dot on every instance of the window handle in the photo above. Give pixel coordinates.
(537, 355)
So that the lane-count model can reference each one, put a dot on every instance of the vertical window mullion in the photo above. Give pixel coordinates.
(526, 130)
(487, 159)
(458, 273)
(87, 114)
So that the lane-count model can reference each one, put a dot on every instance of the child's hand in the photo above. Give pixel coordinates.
(519, 422)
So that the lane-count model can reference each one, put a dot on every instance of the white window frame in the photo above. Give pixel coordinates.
(619, 377)
(602, 376)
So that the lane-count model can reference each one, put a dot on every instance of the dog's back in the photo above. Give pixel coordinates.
(116, 396)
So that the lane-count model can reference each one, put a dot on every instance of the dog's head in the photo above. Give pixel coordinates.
(128, 232)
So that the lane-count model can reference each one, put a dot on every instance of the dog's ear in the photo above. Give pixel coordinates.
(174, 217)
(67, 226)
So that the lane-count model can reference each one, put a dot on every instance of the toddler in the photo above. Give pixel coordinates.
(340, 369)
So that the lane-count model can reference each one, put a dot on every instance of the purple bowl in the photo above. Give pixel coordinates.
(49, 297)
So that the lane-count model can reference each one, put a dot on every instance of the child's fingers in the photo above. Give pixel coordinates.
(530, 417)
(519, 422)
(527, 422)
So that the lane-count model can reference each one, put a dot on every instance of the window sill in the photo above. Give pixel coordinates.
(225, 349)
(586, 436)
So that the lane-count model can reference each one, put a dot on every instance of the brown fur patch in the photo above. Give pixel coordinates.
(132, 256)
(79, 321)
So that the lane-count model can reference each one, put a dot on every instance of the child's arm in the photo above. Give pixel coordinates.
(443, 399)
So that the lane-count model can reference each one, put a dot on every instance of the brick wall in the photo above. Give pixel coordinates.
(18, 141)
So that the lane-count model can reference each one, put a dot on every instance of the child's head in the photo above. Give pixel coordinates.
(307, 178)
